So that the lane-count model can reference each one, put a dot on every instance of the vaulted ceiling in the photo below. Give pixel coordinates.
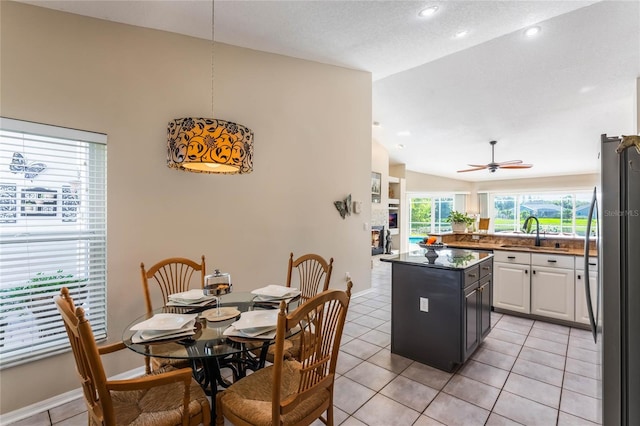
(545, 99)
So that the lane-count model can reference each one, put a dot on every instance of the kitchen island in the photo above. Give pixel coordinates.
(440, 304)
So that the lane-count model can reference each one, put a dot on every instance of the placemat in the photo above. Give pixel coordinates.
(226, 312)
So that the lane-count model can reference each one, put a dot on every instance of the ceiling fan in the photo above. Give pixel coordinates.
(493, 166)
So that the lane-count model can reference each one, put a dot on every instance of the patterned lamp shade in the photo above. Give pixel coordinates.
(207, 145)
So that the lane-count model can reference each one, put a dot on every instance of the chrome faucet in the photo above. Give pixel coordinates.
(526, 223)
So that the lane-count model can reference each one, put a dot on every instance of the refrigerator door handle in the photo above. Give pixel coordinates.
(587, 284)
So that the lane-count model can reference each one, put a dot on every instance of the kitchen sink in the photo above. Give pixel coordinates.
(534, 247)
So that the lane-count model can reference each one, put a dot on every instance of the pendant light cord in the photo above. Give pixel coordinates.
(212, 52)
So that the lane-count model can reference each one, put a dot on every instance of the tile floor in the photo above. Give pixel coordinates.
(526, 372)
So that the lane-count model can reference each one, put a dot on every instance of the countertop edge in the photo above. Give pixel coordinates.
(542, 250)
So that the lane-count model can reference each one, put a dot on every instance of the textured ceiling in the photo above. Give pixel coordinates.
(545, 100)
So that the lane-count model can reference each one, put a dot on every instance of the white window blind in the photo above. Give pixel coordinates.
(52, 235)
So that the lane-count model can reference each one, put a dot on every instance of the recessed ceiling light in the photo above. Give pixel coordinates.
(586, 89)
(404, 133)
(399, 146)
(461, 34)
(428, 11)
(532, 31)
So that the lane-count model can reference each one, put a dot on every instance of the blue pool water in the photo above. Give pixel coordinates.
(415, 240)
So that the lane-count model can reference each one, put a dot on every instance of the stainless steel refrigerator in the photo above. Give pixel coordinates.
(616, 309)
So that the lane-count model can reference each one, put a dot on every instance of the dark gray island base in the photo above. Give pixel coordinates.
(440, 305)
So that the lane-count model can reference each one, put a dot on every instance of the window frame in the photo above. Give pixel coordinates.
(576, 194)
(52, 234)
(435, 197)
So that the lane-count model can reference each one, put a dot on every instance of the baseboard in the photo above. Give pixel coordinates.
(47, 404)
(361, 293)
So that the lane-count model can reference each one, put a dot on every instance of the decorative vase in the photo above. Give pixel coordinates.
(458, 227)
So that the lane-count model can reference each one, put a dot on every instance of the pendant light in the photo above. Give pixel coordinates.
(209, 145)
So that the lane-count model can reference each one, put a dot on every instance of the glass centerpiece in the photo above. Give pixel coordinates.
(217, 284)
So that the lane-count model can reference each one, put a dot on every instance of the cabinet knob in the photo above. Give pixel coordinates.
(551, 260)
(485, 268)
(534, 272)
(472, 275)
(511, 257)
(526, 271)
(579, 277)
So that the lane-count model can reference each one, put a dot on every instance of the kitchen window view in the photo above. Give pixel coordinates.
(558, 213)
(428, 215)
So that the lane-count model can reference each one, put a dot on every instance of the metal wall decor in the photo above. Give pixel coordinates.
(344, 206)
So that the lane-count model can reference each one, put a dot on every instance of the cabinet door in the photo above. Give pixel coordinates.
(582, 314)
(511, 287)
(485, 306)
(552, 292)
(471, 326)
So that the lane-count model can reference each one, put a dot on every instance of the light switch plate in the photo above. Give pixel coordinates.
(424, 304)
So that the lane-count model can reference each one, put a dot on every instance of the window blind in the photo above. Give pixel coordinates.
(52, 235)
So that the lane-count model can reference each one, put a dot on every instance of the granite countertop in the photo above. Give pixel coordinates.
(523, 248)
(444, 258)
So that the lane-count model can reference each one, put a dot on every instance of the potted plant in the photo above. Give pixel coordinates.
(459, 221)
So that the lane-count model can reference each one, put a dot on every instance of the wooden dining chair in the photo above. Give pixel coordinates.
(293, 392)
(169, 398)
(313, 271)
(172, 275)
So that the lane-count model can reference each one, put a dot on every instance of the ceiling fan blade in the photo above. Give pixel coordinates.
(472, 170)
(509, 162)
(493, 166)
(516, 166)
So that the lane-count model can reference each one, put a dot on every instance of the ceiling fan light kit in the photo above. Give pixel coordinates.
(493, 166)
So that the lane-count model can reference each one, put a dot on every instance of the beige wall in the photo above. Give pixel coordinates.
(422, 182)
(312, 125)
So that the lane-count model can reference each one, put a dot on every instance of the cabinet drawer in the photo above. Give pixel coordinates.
(486, 268)
(471, 275)
(552, 260)
(593, 263)
(512, 257)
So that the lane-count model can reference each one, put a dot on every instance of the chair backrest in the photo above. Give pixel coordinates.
(172, 275)
(88, 363)
(313, 270)
(321, 320)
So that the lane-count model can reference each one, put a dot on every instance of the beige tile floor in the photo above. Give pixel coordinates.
(526, 372)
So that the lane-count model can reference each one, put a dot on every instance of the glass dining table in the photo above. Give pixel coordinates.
(209, 350)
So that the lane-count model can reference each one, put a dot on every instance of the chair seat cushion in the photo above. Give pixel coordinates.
(250, 398)
(158, 364)
(160, 405)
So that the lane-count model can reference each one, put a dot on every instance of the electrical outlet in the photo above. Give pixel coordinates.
(475, 237)
(424, 304)
(347, 276)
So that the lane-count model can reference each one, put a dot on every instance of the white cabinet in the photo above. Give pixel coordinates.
(582, 314)
(552, 286)
(511, 282)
